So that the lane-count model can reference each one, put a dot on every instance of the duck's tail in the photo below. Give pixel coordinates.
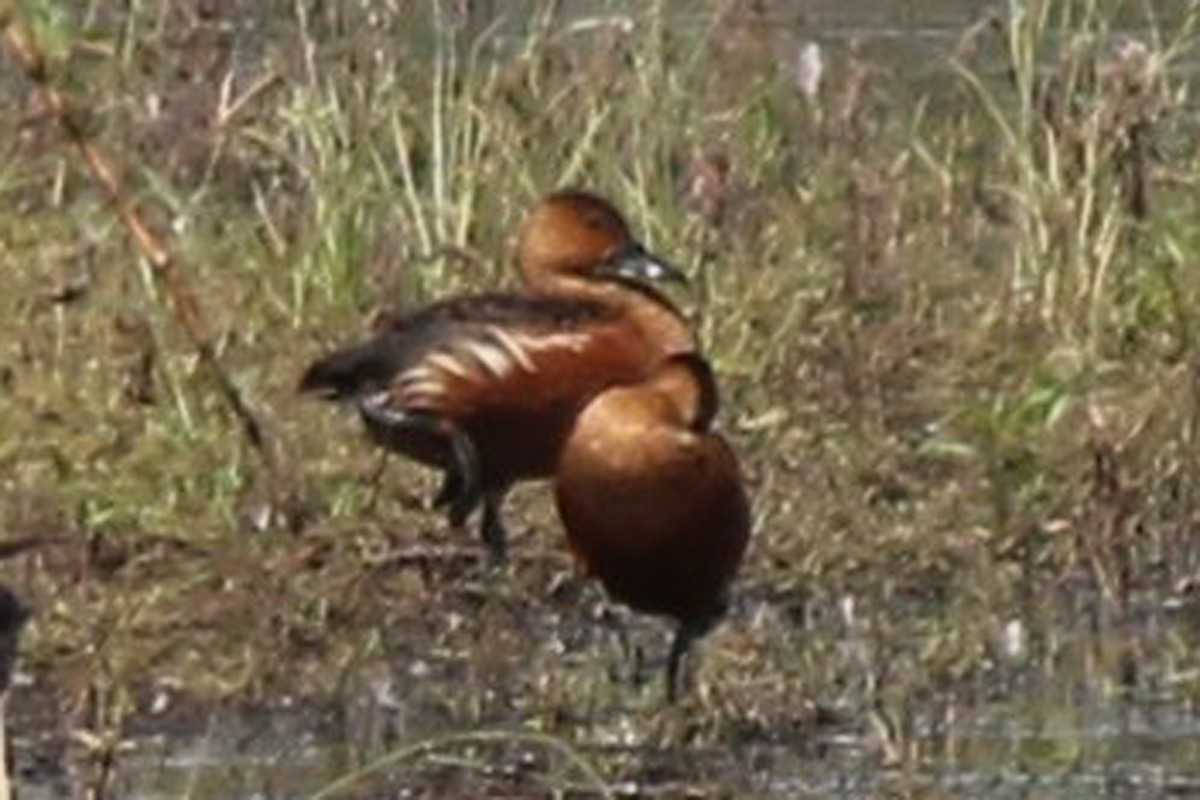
(353, 371)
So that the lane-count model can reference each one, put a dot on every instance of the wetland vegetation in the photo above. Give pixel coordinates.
(953, 308)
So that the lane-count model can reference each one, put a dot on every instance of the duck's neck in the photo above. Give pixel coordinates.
(687, 384)
(653, 313)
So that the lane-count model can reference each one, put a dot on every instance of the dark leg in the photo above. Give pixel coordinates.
(447, 490)
(468, 489)
(685, 634)
(462, 489)
(491, 530)
(631, 666)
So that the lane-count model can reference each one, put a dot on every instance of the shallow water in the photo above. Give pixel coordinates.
(1125, 752)
(1074, 730)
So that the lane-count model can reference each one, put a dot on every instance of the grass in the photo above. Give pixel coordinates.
(955, 326)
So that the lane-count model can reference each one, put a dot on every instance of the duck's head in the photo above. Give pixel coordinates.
(572, 236)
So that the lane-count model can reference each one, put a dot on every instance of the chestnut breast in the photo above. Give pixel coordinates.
(652, 507)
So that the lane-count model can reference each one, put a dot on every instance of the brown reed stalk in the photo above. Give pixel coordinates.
(168, 269)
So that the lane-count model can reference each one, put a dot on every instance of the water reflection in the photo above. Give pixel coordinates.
(1133, 747)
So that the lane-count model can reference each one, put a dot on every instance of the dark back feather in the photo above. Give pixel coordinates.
(368, 366)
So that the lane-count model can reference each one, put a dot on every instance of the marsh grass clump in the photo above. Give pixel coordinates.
(953, 320)
(1081, 127)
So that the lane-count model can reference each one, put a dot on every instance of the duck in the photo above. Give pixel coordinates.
(653, 503)
(484, 387)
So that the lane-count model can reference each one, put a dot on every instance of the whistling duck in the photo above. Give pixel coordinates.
(485, 387)
(652, 501)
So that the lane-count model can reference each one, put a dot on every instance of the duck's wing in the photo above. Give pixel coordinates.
(518, 365)
(479, 333)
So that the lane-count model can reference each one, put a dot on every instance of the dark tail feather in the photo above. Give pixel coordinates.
(352, 371)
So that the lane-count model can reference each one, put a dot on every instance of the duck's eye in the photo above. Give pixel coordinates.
(597, 220)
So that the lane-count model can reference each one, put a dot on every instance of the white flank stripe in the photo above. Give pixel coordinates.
(513, 348)
(575, 342)
(447, 362)
(428, 391)
(491, 357)
(380, 404)
(415, 375)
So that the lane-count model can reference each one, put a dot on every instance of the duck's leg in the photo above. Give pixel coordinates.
(462, 488)
(687, 633)
(447, 490)
(491, 529)
(467, 491)
(632, 660)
